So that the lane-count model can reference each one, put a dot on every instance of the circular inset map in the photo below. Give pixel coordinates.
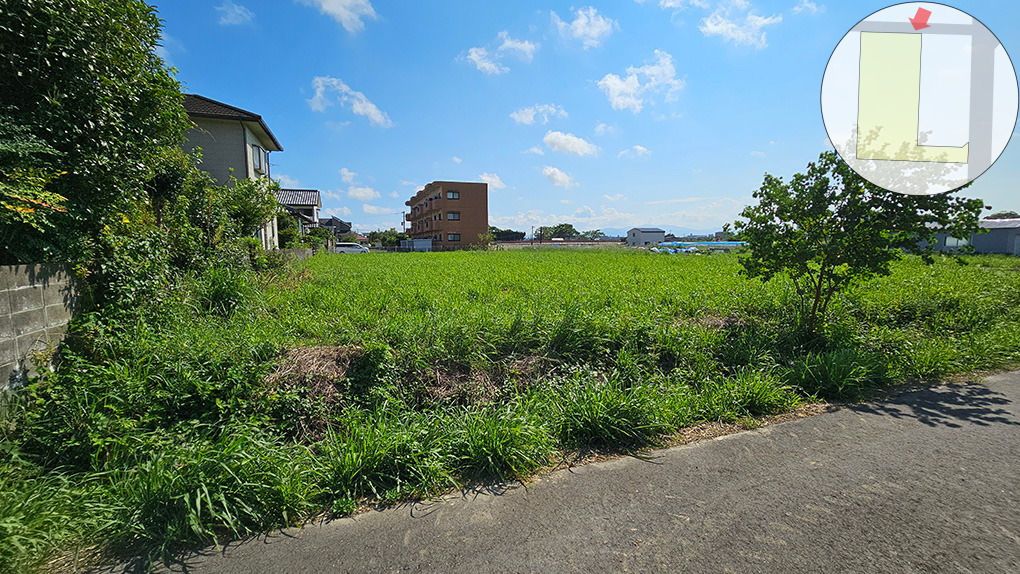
(919, 98)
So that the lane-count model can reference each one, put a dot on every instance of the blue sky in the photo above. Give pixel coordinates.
(605, 115)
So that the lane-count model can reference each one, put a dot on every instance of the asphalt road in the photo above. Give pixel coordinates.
(926, 482)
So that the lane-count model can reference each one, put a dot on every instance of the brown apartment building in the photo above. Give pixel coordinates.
(450, 213)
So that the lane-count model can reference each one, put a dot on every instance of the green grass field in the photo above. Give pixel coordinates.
(237, 403)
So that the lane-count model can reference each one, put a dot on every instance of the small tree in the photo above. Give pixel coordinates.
(830, 228)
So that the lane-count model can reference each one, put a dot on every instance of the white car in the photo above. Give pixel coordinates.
(350, 248)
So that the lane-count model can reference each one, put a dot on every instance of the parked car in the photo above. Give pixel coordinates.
(350, 248)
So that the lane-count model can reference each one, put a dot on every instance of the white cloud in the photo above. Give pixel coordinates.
(349, 13)
(658, 77)
(394, 194)
(566, 201)
(346, 175)
(287, 181)
(457, 159)
(335, 211)
(617, 197)
(726, 23)
(524, 48)
(558, 177)
(486, 64)
(234, 14)
(638, 150)
(758, 154)
(679, 4)
(543, 111)
(808, 6)
(678, 199)
(376, 210)
(535, 150)
(167, 46)
(362, 193)
(588, 26)
(357, 101)
(603, 129)
(491, 62)
(493, 180)
(569, 143)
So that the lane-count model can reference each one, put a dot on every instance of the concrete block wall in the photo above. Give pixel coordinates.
(36, 304)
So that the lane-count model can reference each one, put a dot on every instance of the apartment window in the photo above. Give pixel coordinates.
(453, 195)
(453, 216)
(453, 237)
(257, 158)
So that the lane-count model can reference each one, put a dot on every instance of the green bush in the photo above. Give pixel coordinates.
(183, 495)
(845, 374)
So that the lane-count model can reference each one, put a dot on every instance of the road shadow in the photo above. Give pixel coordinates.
(952, 406)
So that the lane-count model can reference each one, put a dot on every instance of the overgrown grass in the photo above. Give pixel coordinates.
(242, 403)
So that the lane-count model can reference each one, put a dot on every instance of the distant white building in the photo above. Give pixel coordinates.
(642, 236)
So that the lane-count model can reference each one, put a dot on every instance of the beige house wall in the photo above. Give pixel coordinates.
(223, 147)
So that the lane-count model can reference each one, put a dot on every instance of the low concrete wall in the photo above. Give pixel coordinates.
(296, 254)
(36, 304)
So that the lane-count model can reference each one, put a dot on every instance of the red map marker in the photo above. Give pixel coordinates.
(920, 20)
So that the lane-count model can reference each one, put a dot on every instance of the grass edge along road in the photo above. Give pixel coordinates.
(236, 404)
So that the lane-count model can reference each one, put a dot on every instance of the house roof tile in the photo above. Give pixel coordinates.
(299, 197)
(203, 107)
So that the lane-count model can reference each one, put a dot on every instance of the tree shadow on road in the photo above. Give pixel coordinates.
(952, 406)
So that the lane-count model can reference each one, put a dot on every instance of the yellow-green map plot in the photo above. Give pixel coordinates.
(889, 100)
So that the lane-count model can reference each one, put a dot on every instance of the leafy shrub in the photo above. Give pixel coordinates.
(928, 358)
(222, 290)
(840, 374)
(600, 414)
(42, 515)
(195, 493)
(378, 456)
(497, 443)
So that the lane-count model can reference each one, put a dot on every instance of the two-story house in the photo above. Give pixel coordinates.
(233, 141)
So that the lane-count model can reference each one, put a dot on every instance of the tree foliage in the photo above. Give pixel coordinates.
(560, 230)
(505, 234)
(93, 104)
(1003, 215)
(829, 228)
(389, 238)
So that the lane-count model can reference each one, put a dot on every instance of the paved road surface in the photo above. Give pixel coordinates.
(927, 482)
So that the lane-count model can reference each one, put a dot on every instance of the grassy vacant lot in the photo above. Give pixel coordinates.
(238, 403)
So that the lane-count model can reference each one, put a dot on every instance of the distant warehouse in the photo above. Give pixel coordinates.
(1002, 236)
(642, 236)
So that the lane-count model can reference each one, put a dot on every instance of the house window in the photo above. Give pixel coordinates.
(453, 237)
(258, 161)
(956, 242)
(453, 195)
(453, 216)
